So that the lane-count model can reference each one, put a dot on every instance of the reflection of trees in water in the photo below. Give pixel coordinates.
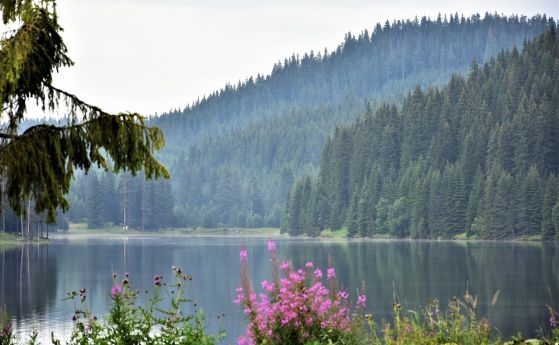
(27, 279)
(415, 271)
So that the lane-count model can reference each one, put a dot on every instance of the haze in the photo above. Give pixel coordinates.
(151, 56)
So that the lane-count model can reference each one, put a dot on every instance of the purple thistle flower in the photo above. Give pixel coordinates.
(553, 321)
(116, 290)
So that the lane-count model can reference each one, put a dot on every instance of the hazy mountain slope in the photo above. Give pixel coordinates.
(360, 67)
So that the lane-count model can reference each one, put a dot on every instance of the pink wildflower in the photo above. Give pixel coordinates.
(267, 286)
(298, 301)
(271, 246)
(240, 296)
(243, 255)
(361, 301)
(331, 273)
(116, 291)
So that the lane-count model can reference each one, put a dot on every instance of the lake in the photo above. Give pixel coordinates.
(34, 278)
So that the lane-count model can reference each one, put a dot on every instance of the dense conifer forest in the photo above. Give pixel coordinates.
(234, 155)
(479, 157)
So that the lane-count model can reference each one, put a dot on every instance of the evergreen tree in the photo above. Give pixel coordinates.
(448, 162)
(94, 202)
(30, 54)
(551, 189)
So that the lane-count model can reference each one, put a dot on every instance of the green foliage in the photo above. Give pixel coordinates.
(448, 162)
(7, 336)
(130, 323)
(29, 56)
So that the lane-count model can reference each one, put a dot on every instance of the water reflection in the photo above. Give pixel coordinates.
(35, 278)
(27, 280)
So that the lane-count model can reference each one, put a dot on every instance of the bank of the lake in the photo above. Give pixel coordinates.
(8, 240)
(82, 230)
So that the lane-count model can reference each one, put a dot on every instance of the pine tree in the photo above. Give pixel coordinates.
(475, 202)
(29, 56)
(109, 198)
(94, 202)
(163, 203)
(551, 185)
(293, 222)
(352, 222)
(383, 211)
(399, 218)
(499, 206)
(555, 219)
(437, 206)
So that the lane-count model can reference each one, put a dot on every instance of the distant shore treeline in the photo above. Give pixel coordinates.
(479, 156)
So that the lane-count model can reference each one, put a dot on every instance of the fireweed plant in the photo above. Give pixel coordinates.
(130, 323)
(302, 307)
(296, 307)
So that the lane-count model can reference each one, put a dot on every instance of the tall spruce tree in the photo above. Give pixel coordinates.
(29, 55)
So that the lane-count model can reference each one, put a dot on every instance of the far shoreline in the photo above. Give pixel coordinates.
(80, 231)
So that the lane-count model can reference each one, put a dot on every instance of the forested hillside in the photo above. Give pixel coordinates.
(479, 156)
(234, 155)
(240, 149)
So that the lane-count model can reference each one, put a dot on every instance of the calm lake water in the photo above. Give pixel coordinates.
(34, 279)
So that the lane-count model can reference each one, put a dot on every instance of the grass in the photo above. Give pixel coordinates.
(463, 236)
(6, 238)
(223, 231)
(340, 233)
(9, 240)
(82, 229)
(529, 238)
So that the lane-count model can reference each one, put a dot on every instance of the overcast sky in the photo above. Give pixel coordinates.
(153, 55)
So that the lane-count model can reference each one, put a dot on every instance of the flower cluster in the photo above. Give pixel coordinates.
(159, 320)
(296, 308)
(116, 290)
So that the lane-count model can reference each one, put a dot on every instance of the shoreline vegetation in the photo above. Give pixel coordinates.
(296, 306)
(82, 231)
(8, 240)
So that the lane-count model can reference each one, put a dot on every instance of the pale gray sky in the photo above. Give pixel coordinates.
(152, 55)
